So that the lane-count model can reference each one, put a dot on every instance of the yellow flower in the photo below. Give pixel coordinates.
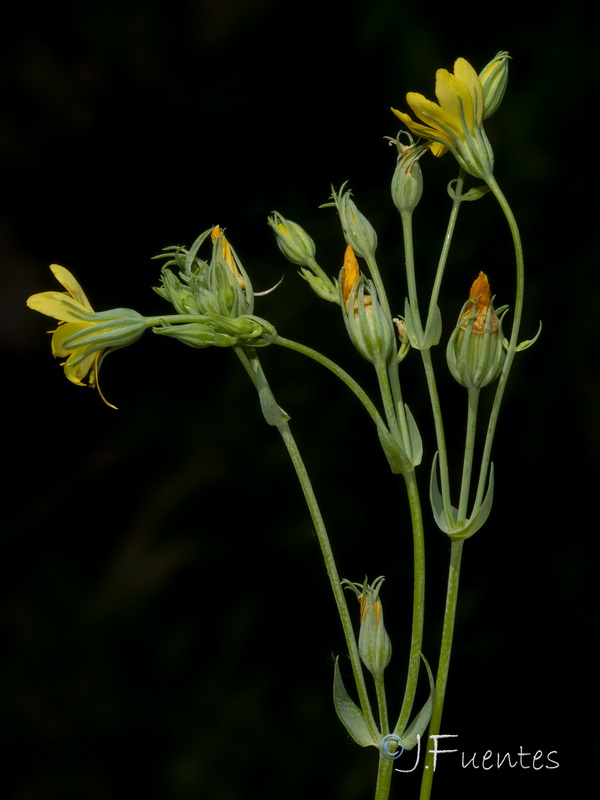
(455, 122)
(83, 336)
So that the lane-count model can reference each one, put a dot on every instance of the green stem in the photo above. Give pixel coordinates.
(379, 682)
(252, 365)
(418, 609)
(394, 420)
(354, 387)
(512, 346)
(411, 286)
(465, 484)
(385, 771)
(394, 383)
(379, 287)
(438, 422)
(437, 284)
(444, 661)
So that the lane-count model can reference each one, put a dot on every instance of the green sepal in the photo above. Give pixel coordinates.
(446, 519)
(416, 443)
(475, 193)
(433, 331)
(443, 517)
(416, 729)
(351, 717)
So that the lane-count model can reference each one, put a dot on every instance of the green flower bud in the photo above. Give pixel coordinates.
(407, 182)
(358, 231)
(179, 294)
(217, 330)
(370, 330)
(293, 241)
(297, 246)
(475, 352)
(374, 645)
(196, 334)
(227, 279)
(494, 78)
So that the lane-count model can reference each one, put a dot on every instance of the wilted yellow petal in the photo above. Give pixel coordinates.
(77, 368)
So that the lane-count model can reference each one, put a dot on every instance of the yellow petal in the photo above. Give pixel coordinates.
(447, 95)
(59, 305)
(62, 333)
(465, 73)
(66, 279)
(445, 125)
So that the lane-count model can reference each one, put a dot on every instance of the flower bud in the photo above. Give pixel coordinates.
(475, 352)
(196, 334)
(494, 78)
(407, 182)
(370, 330)
(227, 278)
(374, 645)
(358, 231)
(179, 293)
(295, 244)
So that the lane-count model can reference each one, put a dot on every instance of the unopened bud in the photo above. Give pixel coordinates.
(369, 328)
(374, 645)
(293, 241)
(407, 182)
(358, 231)
(494, 78)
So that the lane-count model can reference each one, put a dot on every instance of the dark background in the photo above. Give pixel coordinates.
(168, 625)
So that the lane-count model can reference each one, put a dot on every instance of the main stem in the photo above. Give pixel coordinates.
(444, 662)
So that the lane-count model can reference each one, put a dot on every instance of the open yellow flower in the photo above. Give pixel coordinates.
(84, 336)
(455, 122)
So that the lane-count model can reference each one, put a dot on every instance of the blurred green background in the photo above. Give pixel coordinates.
(168, 627)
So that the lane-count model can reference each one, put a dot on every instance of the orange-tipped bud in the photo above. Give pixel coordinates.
(475, 352)
(479, 302)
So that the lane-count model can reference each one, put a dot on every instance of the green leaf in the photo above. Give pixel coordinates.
(349, 713)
